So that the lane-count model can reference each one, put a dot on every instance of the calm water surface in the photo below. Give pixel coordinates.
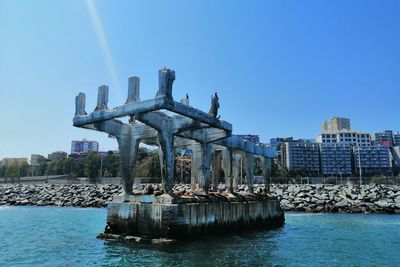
(49, 236)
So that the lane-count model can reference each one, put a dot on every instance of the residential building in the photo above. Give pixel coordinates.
(13, 161)
(336, 124)
(373, 158)
(384, 138)
(336, 159)
(84, 146)
(57, 155)
(300, 156)
(275, 142)
(355, 138)
(36, 159)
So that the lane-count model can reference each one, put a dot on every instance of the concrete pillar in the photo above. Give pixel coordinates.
(236, 166)
(216, 166)
(102, 98)
(194, 181)
(201, 158)
(249, 167)
(128, 146)
(133, 90)
(167, 156)
(166, 78)
(266, 169)
(227, 162)
(80, 101)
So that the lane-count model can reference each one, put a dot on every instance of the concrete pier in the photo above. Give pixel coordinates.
(183, 218)
(169, 124)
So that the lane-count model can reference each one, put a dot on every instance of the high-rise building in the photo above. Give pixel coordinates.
(355, 138)
(335, 159)
(84, 146)
(298, 156)
(373, 158)
(36, 159)
(336, 124)
(384, 138)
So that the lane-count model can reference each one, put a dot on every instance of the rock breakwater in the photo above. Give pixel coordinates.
(304, 198)
(339, 198)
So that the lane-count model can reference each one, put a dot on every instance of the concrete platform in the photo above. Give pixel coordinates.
(181, 218)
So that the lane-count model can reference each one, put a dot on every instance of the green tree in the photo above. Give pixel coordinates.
(111, 164)
(2, 171)
(51, 168)
(41, 170)
(154, 166)
(12, 171)
(92, 165)
(23, 169)
(69, 164)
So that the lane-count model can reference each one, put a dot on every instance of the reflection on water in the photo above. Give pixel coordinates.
(49, 236)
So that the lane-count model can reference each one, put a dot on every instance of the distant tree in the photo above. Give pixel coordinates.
(12, 171)
(41, 170)
(142, 154)
(68, 166)
(111, 164)
(107, 174)
(92, 165)
(23, 169)
(154, 166)
(78, 168)
(2, 171)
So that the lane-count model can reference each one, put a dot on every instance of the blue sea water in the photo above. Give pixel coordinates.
(50, 236)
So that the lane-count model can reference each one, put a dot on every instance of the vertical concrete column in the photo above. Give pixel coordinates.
(265, 167)
(206, 176)
(166, 78)
(128, 146)
(236, 165)
(195, 165)
(227, 162)
(166, 141)
(80, 101)
(202, 160)
(102, 98)
(133, 90)
(215, 167)
(249, 167)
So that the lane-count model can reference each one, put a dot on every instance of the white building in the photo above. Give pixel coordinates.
(355, 138)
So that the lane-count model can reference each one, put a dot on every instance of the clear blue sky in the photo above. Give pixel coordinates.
(280, 67)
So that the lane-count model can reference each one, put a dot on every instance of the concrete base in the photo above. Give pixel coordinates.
(181, 218)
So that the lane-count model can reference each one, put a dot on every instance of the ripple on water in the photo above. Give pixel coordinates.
(51, 236)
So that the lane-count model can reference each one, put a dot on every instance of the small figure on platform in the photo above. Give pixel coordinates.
(214, 106)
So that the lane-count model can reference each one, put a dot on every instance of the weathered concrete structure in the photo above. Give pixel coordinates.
(212, 145)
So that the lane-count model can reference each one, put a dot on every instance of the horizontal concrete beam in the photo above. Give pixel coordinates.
(237, 143)
(121, 111)
(198, 115)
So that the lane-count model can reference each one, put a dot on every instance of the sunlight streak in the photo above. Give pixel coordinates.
(102, 38)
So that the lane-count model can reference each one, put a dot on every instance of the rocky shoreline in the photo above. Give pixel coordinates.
(304, 198)
(339, 198)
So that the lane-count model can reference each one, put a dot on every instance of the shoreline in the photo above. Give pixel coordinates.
(309, 198)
